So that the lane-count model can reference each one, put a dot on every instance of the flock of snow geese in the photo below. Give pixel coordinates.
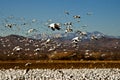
(54, 26)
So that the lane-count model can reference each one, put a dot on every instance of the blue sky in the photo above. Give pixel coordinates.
(105, 13)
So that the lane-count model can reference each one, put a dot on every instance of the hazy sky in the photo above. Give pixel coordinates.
(105, 13)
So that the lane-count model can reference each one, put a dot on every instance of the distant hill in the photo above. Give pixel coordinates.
(59, 46)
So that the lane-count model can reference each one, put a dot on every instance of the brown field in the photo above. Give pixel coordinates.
(58, 64)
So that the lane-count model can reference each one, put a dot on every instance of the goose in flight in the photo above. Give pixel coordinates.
(76, 17)
(54, 26)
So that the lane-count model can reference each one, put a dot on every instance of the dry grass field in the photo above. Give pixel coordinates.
(58, 64)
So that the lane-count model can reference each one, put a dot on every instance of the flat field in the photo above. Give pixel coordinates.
(58, 64)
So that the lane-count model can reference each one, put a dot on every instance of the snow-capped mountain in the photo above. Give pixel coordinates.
(67, 36)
